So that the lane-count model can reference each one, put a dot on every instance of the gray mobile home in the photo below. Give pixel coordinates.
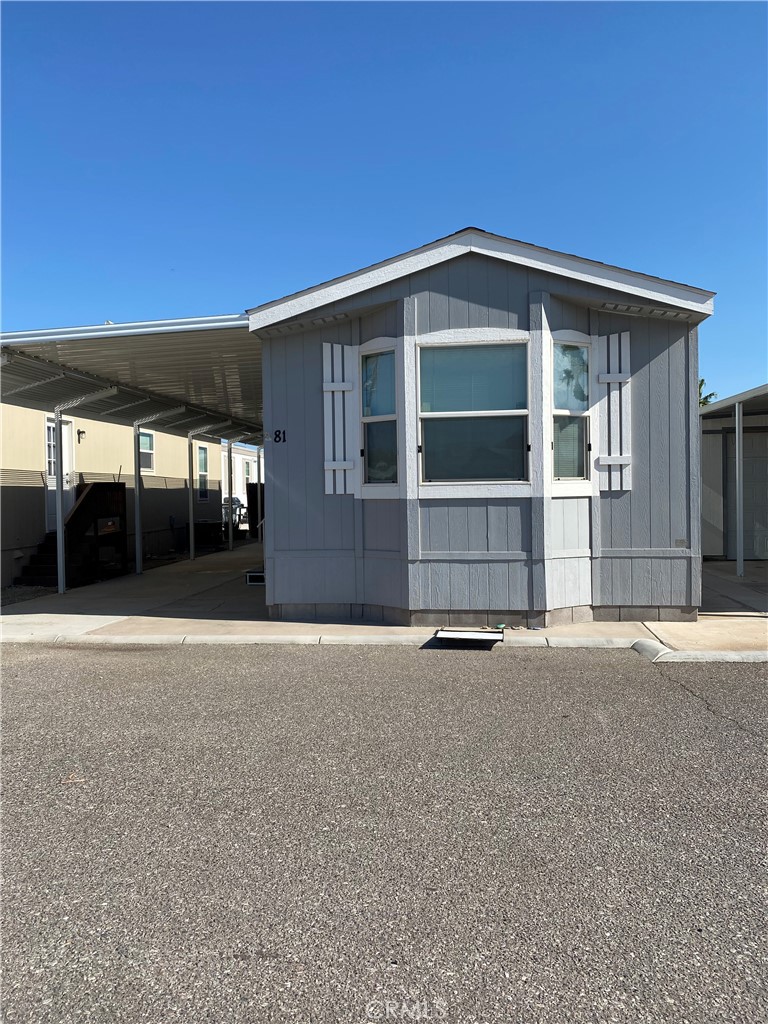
(481, 431)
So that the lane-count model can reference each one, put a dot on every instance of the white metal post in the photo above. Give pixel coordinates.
(61, 562)
(137, 485)
(191, 498)
(137, 527)
(231, 526)
(91, 396)
(259, 526)
(739, 489)
(207, 429)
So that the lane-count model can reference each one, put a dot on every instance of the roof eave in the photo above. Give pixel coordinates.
(652, 290)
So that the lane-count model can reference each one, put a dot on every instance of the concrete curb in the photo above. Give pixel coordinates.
(653, 650)
(378, 641)
(745, 656)
(217, 638)
(650, 649)
(590, 641)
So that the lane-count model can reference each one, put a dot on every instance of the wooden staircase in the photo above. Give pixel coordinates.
(95, 541)
(42, 570)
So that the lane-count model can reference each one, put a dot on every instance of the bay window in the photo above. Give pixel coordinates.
(473, 410)
(570, 391)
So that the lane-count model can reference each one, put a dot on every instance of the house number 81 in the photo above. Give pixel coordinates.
(279, 436)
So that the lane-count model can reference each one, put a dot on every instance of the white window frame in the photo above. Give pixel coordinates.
(466, 337)
(200, 474)
(147, 471)
(379, 346)
(566, 487)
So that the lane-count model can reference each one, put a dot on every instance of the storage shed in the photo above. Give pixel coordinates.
(482, 431)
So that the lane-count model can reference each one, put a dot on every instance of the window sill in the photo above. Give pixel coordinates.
(572, 489)
(380, 491)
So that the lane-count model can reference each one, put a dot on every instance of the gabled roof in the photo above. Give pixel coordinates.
(652, 290)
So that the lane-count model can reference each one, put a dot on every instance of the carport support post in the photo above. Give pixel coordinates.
(137, 481)
(259, 527)
(191, 454)
(137, 526)
(92, 396)
(739, 489)
(208, 429)
(61, 562)
(231, 516)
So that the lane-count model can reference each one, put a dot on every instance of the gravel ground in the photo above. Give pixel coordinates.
(354, 834)
(15, 595)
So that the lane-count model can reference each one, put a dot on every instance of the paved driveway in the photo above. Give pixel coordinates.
(348, 834)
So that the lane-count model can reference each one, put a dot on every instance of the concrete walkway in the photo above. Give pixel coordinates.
(207, 601)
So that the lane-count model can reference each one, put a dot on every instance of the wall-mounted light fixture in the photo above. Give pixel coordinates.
(80, 436)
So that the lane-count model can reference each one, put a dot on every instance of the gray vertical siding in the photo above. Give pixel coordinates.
(479, 554)
(475, 525)
(646, 533)
(474, 554)
(320, 548)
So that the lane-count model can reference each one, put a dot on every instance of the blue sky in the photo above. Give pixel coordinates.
(185, 159)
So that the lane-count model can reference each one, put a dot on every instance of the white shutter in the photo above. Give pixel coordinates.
(614, 460)
(341, 422)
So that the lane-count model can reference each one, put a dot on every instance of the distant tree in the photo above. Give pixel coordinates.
(708, 398)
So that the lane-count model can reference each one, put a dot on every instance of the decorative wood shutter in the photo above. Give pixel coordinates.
(614, 413)
(341, 421)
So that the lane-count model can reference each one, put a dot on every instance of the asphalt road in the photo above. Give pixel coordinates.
(330, 834)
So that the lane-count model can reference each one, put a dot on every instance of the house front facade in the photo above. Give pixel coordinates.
(483, 431)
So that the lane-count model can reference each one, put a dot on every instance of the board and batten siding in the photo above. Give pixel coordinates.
(638, 547)
(321, 548)
(648, 551)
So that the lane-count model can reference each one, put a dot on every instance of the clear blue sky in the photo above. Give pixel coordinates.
(184, 159)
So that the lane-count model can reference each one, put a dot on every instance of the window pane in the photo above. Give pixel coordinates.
(145, 460)
(571, 373)
(570, 447)
(476, 378)
(485, 448)
(379, 384)
(381, 452)
(146, 442)
(202, 488)
(202, 460)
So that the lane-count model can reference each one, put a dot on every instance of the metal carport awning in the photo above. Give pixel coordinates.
(749, 403)
(192, 377)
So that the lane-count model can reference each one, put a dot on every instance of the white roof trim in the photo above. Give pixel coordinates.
(198, 323)
(728, 403)
(652, 289)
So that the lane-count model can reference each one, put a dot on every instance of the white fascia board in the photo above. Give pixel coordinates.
(201, 323)
(601, 275)
(651, 289)
(352, 284)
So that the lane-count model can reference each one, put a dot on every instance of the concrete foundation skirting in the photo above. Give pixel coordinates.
(374, 613)
(637, 613)
(462, 617)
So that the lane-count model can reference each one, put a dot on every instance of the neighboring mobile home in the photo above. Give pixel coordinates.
(94, 452)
